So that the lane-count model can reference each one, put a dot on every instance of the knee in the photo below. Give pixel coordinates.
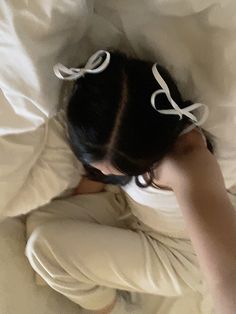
(39, 252)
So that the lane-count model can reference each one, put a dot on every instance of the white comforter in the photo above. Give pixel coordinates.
(194, 39)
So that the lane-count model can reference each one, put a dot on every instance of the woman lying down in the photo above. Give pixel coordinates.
(129, 126)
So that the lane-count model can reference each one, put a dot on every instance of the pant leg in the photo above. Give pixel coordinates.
(87, 260)
(102, 208)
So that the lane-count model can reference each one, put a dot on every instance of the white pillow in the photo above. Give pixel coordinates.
(41, 167)
(36, 161)
(34, 35)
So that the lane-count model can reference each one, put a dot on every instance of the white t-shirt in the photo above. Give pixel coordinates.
(158, 208)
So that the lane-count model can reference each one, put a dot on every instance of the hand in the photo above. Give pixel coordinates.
(87, 186)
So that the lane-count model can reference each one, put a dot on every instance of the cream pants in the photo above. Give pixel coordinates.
(85, 249)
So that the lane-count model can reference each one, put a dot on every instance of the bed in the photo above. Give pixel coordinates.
(194, 39)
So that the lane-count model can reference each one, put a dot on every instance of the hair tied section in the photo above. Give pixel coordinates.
(97, 63)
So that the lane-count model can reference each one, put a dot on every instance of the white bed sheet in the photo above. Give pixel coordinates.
(33, 36)
(194, 39)
(41, 166)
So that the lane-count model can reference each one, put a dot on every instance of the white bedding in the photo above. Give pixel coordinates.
(46, 168)
(33, 35)
(194, 39)
(18, 292)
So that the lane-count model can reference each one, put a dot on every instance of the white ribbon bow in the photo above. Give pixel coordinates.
(176, 109)
(95, 65)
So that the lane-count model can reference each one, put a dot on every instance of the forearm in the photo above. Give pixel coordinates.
(211, 222)
(194, 175)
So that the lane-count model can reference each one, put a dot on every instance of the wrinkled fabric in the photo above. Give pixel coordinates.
(194, 39)
(46, 172)
(33, 35)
